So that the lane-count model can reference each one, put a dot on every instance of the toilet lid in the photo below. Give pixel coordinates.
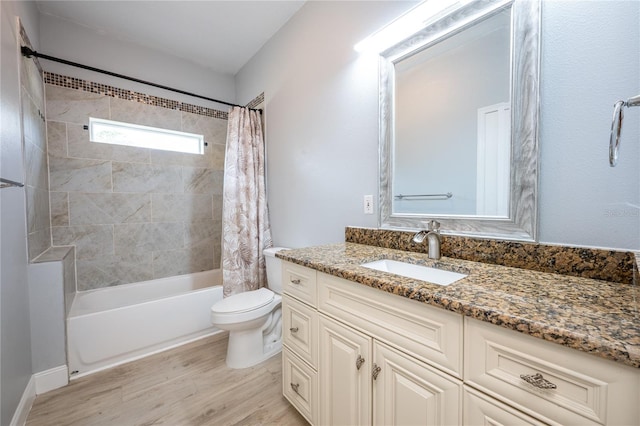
(243, 302)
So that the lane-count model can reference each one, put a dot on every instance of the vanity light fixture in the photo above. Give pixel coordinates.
(407, 24)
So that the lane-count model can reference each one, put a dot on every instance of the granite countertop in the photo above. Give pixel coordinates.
(594, 316)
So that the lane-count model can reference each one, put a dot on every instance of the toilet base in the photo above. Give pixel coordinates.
(253, 345)
(246, 349)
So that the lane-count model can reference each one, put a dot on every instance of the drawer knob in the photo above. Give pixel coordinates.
(376, 371)
(293, 329)
(295, 387)
(359, 362)
(538, 381)
(295, 281)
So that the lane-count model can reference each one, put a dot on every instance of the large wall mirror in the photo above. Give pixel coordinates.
(459, 122)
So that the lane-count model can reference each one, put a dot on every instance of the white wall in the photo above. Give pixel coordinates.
(67, 40)
(15, 346)
(321, 115)
(321, 102)
(590, 59)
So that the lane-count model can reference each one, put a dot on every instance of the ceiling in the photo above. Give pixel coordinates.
(219, 35)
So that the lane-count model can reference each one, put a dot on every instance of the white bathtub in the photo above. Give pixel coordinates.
(110, 326)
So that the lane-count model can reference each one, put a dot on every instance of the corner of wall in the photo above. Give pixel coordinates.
(24, 406)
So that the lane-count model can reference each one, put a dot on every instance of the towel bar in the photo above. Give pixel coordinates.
(424, 196)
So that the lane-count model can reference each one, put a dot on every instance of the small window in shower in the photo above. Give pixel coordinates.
(118, 133)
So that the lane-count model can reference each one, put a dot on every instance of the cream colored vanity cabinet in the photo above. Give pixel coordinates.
(372, 359)
(357, 355)
(364, 381)
(429, 334)
(549, 382)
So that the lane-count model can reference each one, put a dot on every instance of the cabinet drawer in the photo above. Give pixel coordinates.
(299, 282)
(481, 410)
(300, 385)
(430, 334)
(588, 390)
(300, 329)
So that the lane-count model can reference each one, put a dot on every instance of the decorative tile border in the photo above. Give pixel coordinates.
(599, 264)
(115, 92)
(130, 95)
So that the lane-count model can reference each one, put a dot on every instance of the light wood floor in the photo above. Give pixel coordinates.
(190, 385)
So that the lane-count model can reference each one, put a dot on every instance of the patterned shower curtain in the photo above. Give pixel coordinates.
(245, 217)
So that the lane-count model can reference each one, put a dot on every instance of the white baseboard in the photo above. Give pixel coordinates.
(51, 379)
(39, 383)
(22, 411)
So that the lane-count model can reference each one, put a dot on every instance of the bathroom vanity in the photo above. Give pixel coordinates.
(501, 346)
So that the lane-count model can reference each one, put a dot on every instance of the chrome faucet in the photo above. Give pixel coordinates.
(432, 234)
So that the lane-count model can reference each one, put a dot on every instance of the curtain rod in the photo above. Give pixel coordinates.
(29, 53)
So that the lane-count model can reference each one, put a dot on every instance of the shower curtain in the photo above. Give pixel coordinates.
(245, 217)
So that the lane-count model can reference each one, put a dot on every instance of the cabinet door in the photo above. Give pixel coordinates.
(345, 375)
(407, 391)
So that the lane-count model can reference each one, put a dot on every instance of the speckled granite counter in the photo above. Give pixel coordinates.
(598, 317)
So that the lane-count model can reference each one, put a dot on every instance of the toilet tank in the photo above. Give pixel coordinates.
(274, 269)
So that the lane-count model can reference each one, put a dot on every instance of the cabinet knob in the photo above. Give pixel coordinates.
(359, 362)
(538, 381)
(295, 387)
(293, 329)
(295, 281)
(376, 371)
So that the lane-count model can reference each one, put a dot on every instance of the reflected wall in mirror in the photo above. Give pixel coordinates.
(452, 113)
(450, 97)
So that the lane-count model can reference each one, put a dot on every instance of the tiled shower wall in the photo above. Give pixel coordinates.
(35, 153)
(133, 214)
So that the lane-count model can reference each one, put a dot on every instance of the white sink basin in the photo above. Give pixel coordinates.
(419, 272)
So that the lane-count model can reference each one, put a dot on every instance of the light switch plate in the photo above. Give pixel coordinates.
(368, 204)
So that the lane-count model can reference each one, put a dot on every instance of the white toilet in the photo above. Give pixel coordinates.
(253, 318)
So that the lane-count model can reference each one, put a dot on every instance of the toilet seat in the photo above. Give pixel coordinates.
(245, 306)
(244, 302)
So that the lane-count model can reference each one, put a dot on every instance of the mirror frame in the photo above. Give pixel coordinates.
(521, 222)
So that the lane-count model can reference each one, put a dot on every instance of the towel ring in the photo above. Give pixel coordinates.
(616, 127)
